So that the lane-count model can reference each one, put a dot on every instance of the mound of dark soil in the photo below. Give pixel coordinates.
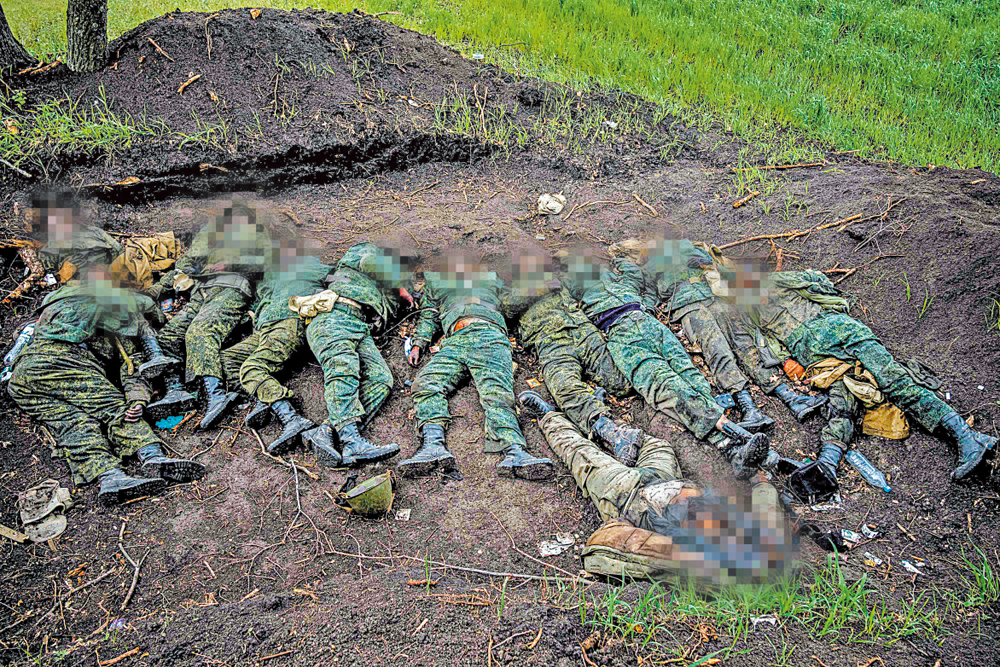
(309, 96)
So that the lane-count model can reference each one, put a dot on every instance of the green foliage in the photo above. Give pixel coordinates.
(905, 79)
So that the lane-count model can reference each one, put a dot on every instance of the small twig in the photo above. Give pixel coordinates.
(426, 187)
(160, 50)
(849, 272)
(525, 553)
(276, 655)
(783, 166)
(17, 169)
(905, 532)
(649, 208)
(280, 460)
(114, 661)
(90, 583)
(208, 37)
(135, 580)
(388, 14)
(194, 77)
(744, 200)
(580, 207)
(534, 642)
(519, 634)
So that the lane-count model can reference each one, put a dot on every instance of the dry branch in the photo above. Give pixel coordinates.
(649, 208)
(194, 77)
(744, 200)
(160, 50)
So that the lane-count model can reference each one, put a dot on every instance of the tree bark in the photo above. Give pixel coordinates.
(12, 54)
(86, 34)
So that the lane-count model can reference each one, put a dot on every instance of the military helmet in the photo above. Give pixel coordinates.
(372, 497)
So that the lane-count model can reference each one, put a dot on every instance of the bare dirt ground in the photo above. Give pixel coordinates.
(236, 574)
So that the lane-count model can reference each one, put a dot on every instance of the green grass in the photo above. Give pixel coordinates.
(910, 80)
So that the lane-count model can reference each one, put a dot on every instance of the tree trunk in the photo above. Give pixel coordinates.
(86, 34)
(12, 54)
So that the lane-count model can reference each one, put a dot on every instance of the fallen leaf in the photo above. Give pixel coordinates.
(12, 126)
(254, 13)
(131, 180)
(215, 98)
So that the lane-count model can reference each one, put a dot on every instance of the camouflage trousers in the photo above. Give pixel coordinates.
(197, 333)
(843, 337)
(659, 368)
(356, 378)
(609, 484)
(569, 356)
(484, 352)
(256, 359)
(701, 326)
(72, 396)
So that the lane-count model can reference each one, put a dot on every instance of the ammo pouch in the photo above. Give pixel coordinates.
(234, 280)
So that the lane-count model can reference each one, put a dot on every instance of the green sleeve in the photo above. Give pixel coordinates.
(631, 275)
(429, 322)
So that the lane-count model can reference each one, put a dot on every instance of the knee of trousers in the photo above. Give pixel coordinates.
(202, 331)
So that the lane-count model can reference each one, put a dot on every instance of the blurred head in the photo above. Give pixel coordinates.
(532, 275)
(54, 213)
(747, 283)
(583, 267)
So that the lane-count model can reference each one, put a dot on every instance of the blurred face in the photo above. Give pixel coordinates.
(532, 276)
(59, 223)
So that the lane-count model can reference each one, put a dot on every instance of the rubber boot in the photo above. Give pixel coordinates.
(117, 487)
(176, 401)
(259, 416)
(320, 441)
(357, 450)
(219, 402)
(802, 406)
(816, 481)
(534, 404)
(433, 454)
(753, 419)
(155, 463)
(293, 424)
(972, 445)
(745, 451)
(519, 463)
(623, 441)
(156, 362)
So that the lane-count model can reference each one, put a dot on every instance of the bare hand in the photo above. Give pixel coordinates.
(414, 356)
(214, 268)
(134, 413)
(405, 295)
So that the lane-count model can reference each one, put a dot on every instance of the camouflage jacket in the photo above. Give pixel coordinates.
(555, 312)
(791, 299)
(447, 301)
(88, 245)
(244, 250)
(612, 290)
(674, 274)
(302, 278)
(367, 275)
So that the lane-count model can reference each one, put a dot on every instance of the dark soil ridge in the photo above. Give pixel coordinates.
(311, 96)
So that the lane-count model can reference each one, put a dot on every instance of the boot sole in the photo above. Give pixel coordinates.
(537, 472)
(968, 468)
(178, 471)
(363, 459)
(801, 416)
(425, 468)
(746, 469)
(150, 487)
(259, 420)
(279, 447)
(326, 459)
(157, 411)
(231, 399)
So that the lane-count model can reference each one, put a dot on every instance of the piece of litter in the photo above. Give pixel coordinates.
(826, 507)
(557, 546)
(980, 387)
(610, 123)
(871, 560)
(118, 624)
(773, 620)
(478, 56)
(50, 279)
(403, 515)
(947, 395)
(413, 103)
(539, 237)
(908, 566)
(407, 345)
(550, 204)
(169, 422)
(533, 383)
(850, 535)
(868, 531)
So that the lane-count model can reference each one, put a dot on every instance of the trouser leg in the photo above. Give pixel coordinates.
(221, 312)
(701, 329)
(491, 364)
(435, 383)
(234, 356)
(334, 338)
(276, 343)
(562, 373)
(376, 378)
(841, 413)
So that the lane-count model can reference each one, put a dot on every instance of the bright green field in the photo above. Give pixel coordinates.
(917, 81)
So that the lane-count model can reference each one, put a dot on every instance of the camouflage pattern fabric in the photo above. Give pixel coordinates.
(197, 333)
(570, 348)
(65, 387)
(843, 337)
(483, 351)
(366, 274)
(674, 269)
(609, 484)
(244, 249)
(449, 299)
(659, 368)
(841, 413)
(742, 341)
(700, 321)
(302, 276)
(87, 246)
(255, 360)
(356, 378)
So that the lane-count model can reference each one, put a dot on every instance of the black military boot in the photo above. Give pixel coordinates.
(259, 416)
(972, 444)
(801, 405)
(293, 424)
(534, 404)
(432, 455)
(218, 402)
(519, 463)
(745, 451)
(155, 463)
(623, 441)
(320, 440)
(816, 481)
(156, 362)
(753, 419)
(176, 401)
(117, 487)
(357, 450)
